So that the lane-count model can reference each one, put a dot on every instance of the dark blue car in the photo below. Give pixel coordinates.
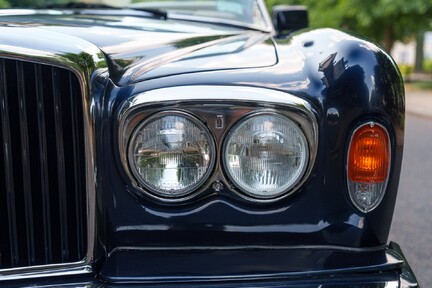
(195, 144)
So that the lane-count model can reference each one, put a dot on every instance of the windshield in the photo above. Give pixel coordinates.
(246, 12)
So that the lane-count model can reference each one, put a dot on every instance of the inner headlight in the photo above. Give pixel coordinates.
(171, 154)
(266, 155)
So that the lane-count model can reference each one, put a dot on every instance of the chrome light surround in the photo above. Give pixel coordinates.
(189, 150)
(257, 160)
(220, 107)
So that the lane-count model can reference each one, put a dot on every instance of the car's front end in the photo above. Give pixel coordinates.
(147, 148)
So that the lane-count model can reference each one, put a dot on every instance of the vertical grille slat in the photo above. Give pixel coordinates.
(8, 168)
(42, 185)
(60, 163)
(26, 178)
(43, 165)
(4, 237)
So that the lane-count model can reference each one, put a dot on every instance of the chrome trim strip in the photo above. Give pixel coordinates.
(267, 18)
(215, 93)
(83, 59)
(176, 96)
(257, 247)
(45, 271)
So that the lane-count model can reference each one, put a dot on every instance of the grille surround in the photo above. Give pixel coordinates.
(22, 257)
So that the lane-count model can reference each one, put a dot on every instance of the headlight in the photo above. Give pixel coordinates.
(265, 155)
(171, 154)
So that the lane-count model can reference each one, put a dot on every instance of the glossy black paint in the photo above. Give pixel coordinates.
(347, 81)
(242, 263)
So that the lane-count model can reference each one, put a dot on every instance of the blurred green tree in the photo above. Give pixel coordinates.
(4, 4)
(385, 21)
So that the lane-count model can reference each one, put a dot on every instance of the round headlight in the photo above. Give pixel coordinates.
(266, 155)
(171, 154)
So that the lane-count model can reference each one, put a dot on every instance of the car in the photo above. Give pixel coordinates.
(195, 144)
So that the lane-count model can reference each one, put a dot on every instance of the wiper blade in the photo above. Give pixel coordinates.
(159, 13)
(94, 6)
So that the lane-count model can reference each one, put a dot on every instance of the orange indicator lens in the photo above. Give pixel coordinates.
(369, 155)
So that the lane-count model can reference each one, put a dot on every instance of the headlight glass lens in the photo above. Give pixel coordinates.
(266, 155)
(171, 154)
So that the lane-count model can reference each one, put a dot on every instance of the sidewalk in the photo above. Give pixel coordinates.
(419, 102)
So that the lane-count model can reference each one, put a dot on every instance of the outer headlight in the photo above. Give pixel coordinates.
(171, 154)
(265, 155)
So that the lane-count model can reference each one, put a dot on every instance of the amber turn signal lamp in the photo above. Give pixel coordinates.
(369, 155)
(368, 166)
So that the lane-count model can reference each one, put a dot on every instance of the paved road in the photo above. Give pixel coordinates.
(412, 222)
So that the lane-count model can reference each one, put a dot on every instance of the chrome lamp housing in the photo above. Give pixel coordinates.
(260, 143)
(171, 153)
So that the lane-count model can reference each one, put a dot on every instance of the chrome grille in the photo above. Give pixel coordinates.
(42, 180)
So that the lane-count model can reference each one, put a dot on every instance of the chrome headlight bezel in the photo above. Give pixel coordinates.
(164, 193)
(219, 108)
(284, 188)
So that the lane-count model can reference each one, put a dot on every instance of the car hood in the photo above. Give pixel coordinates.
(138, 48)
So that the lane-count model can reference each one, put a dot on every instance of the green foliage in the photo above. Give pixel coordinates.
(406, 70)
(383, 20)
(427, 65)
(4, 4)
